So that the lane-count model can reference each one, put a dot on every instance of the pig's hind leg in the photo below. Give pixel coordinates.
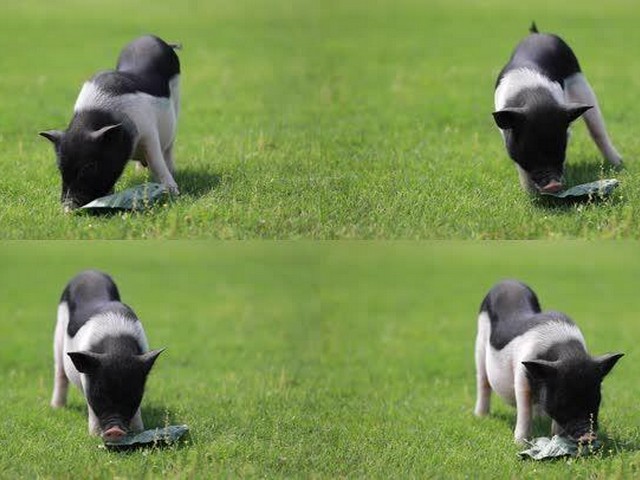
(578, 90)
(483, 391)
(60, 380)
(157, 164)
(524, 406)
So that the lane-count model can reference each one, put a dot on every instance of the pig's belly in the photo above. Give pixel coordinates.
(501, 373)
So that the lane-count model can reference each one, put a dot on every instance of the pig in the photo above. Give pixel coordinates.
(539, 92)
(100, 346)
(538, 361)
(122, 114)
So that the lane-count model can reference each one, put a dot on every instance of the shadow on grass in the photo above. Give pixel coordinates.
(191, 182)
(197, 182)
(156, 416)
(613, 446)
(541, 426)
(79, 408)
(584, 172)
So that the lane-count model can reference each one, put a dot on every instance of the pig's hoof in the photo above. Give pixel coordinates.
(520, 439)
(617, 162)
(615, 159)
(173, 190)
(588, 437)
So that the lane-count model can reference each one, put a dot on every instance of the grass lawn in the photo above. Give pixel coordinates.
(312, 361)
(320, 119)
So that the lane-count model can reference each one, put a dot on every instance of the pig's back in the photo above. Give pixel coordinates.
(512, 308)
(545, 53)
(112, 83)
(87, 294)
(149, 56)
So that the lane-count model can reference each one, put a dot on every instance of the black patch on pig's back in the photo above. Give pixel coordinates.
(149, 55)
(503, 332)
(90, 285)
(91, 293)
(145, 65)
(121, 83)
(82, 313)
(545, 53)
(513, 309)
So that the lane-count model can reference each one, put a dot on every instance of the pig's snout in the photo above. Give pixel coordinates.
(113, 434)
(588, 437)
(552, 187)
(69, 204)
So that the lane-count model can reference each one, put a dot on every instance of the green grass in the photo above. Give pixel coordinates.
(326, 119)
(312, 360)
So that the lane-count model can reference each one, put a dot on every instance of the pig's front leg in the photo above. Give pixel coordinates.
(483, 388)
(136, 422)
(168, 159)
(156, 162)
(60, 388)
(523, 405)
(60, 380)
(578, 89)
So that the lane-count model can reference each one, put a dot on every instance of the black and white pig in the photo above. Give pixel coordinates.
(122, 114)
(101, 347)
(538, 94)
(537, 361)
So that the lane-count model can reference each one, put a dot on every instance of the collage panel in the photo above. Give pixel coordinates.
(318, 360)
(273, 119)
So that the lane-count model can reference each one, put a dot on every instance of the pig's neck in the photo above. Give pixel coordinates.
(118, 345)
(570, 349)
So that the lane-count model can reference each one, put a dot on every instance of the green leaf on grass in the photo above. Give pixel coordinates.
(543, 448)
(137, 198)
(599, 188)
(155, 437)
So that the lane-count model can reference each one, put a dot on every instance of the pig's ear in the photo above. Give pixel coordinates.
(105, 133)
(85, 362)
(54, 136)
(541, 369)
(509, 118)
(149, 358)
(574, 110)
(607, 362)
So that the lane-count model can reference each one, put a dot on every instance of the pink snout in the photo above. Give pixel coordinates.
(552, 187)
(588, 437)
(113, 434)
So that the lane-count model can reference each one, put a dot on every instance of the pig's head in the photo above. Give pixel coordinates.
(536, 139)
(569, 391)
(90, 159)
(114, 386)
